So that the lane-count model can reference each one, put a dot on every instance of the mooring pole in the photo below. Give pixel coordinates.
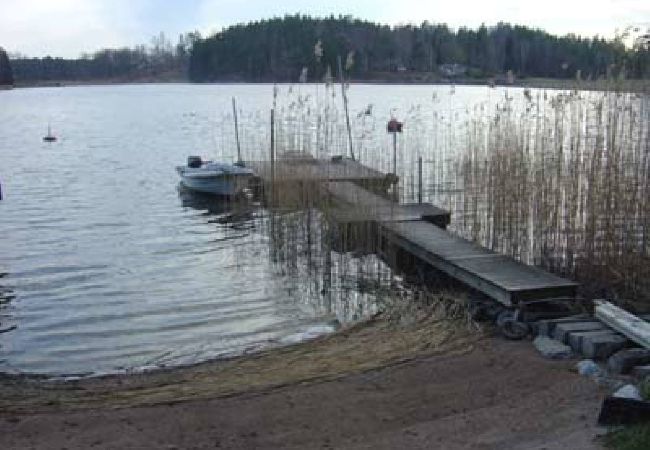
(419, 179)
(234, 112)
(272, 157)
(345, 105)
(395, 153)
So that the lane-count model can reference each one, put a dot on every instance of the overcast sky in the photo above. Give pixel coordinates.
(69, 27)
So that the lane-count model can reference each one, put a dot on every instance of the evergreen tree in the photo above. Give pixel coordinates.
(6, 74)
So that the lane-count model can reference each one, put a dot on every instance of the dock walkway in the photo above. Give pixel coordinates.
(500, 277)
(315, 170)
(356, 204)
(419, 229)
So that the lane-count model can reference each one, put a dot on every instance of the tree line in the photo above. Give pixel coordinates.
(160, 60)
(294, 48)
(281, 49)
(6, 73)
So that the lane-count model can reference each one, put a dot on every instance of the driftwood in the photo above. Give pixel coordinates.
(635, 328)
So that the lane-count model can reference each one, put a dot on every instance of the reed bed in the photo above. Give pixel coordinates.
(564, 183)
(558, 179)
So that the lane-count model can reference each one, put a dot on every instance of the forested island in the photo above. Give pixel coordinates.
(303, 48)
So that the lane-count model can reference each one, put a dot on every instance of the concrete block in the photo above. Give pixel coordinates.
(601, 346)
(576, 339)
(562, 330)
(624, 360)
(546, 327)
(641, 372)
(552, 349)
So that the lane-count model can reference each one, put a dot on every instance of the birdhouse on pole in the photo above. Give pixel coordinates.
(394, 126)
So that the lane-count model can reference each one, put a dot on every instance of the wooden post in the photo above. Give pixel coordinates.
(234, 111)
(419, 179)
(345, 106)
(272, 157)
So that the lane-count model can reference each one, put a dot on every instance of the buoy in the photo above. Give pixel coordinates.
(49, 137)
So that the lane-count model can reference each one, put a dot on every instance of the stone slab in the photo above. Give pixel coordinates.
(546, 327)
(576, 339)
(563, 330)
(602, 346)
(552, 349)
(624, 361)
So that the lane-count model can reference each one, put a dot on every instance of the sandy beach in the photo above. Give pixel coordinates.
(429, 385)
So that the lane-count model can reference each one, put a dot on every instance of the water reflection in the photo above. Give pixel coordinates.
(6, 296)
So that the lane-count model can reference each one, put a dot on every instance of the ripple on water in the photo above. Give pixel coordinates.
(104, 264)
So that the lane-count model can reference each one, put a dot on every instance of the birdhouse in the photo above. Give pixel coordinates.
(394, 126)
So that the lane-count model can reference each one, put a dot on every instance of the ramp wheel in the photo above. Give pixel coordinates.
(510, 326)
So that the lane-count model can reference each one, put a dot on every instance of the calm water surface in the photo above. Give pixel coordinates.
(105, 266)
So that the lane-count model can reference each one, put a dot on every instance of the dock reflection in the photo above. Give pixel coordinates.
(221, 210)
(6, 296)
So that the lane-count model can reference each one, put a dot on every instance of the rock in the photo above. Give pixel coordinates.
(624, 360)
(628, 391)
(588, 368)
(552, 349)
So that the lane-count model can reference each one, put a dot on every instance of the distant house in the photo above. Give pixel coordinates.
(452, 70)
(6, 74)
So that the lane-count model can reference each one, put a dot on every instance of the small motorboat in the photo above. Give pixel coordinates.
(49, 137)
(214, 178)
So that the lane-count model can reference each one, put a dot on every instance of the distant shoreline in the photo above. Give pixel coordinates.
(639, 86)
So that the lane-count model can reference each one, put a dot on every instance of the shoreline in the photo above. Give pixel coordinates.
(425, 385)
(632, 86)
(349, 350)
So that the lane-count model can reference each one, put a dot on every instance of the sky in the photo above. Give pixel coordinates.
(68, 28)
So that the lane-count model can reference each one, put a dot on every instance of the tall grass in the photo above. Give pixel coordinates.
(558, 179)
(564, 184)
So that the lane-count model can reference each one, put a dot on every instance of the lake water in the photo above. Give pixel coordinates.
(106, 266)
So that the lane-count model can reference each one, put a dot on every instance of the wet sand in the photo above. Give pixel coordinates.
(433, 385)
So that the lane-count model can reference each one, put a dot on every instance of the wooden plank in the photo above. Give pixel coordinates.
(498, 276)
(633, 327)
(315, 170)
(361, 205)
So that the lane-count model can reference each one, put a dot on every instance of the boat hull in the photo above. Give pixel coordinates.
(223, 185)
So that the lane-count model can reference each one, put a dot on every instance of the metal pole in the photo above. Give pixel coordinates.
(419, 179)
(234, 112)
(395, 153)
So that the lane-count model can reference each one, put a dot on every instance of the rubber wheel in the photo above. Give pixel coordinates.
(513, 329)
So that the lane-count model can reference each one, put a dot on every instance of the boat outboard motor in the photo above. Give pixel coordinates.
(194, 162)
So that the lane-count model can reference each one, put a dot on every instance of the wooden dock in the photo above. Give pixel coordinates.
(307, 169)
(500, 277)
(355, 197)
(354, 204)
(419, 229)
